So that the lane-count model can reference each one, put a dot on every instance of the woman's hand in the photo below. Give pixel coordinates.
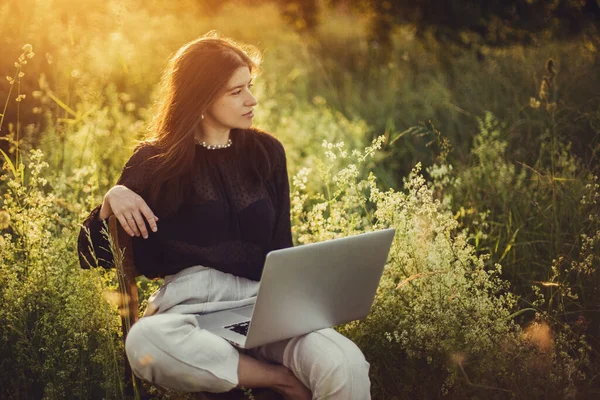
(130, 209)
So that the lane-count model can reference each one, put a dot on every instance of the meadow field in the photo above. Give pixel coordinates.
(485, 163)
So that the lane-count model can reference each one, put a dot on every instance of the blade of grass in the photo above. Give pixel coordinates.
(11, 165)
(62, 105)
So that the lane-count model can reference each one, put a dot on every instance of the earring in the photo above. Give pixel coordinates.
(202, 116)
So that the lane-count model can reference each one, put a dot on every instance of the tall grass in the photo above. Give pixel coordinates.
(492, 284)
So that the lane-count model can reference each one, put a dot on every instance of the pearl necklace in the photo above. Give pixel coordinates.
(214, 146)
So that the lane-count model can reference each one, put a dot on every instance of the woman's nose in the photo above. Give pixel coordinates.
(251, 101)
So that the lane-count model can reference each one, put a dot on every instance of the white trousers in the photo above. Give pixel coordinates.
(169, 348)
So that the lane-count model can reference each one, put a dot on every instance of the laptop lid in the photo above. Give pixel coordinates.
(318, 285)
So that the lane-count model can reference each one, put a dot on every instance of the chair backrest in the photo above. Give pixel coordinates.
(128, 293)
(126, 273)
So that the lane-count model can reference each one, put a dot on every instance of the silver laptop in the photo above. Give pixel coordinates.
(306, 288)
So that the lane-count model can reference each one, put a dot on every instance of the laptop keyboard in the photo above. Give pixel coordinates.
(240, 327)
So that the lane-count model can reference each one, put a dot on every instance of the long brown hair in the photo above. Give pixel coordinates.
(195, 76)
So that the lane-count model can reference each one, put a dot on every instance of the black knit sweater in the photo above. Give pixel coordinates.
(229, 221)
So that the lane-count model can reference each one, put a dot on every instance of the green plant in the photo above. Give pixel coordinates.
(442, 322)
(58, 334)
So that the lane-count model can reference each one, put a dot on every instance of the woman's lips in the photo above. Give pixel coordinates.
(249, 115)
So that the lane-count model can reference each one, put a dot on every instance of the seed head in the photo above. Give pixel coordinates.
(544, 88)
(547, 87)
(540, 334)
(534, 103)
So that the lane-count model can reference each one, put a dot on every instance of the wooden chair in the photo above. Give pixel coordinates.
(129, 308)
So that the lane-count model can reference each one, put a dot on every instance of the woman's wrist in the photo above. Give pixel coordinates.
(105, 210)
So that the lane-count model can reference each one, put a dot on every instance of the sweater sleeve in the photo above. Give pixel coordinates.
(282, 234)
(92, 245)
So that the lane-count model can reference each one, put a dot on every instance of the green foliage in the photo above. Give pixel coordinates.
(58, 335)
(442, 323)
(514, 186)
(415, 86)
(473, 22)
(543, 217)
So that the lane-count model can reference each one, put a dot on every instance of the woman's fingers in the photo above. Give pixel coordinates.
(150, 217)
(125, 224)
(144, 212)
(132, 211)
(131, 221)
(141, 226)
(134, 224)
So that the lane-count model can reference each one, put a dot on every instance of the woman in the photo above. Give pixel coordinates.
(205, 199)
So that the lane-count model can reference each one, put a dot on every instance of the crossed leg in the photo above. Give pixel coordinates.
(171, 350)
(325, 361)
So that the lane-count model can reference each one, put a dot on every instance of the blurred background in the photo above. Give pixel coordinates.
(493, 105)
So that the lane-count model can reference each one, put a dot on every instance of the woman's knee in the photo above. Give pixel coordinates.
(174, 352)
(141, 351)
(334, 365)
(346, 362)
(341, 352)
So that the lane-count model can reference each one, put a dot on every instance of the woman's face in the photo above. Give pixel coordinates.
(234, 108)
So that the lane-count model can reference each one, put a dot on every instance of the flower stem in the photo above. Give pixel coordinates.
(8, 97)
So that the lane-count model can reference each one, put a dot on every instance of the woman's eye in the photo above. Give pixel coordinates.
(240, 91)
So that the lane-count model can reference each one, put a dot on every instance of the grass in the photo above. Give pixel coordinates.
(498, 231)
